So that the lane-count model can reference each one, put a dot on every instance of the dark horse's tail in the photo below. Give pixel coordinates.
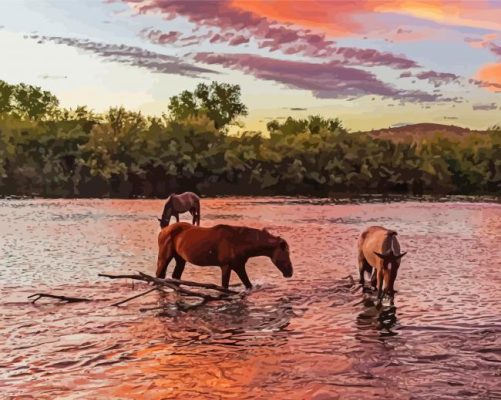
(198, 212)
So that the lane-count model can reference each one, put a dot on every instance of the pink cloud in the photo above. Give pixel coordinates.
(235, 26)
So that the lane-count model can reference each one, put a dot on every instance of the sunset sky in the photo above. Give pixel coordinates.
(372, 63)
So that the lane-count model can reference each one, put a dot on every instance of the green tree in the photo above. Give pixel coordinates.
(6, 92)
(219, 101)
(33, 102)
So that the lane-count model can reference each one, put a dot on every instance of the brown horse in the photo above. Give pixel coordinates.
(379, 253)
(228, 247)
(180, 203)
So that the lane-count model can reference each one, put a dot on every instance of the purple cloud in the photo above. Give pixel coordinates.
(495, 49)
(329, 80)
(438, 78)
(484, 84)
(131, 55)
(485, 107)
(236, 26)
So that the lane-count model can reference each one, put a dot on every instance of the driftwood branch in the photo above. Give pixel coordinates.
(38, 296)
(176, 285)
(135, 297)
(158, 285)
(148, 278)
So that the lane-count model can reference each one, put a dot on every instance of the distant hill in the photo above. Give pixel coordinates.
(418, 132)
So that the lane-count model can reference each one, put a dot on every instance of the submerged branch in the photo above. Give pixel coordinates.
(135, 297)
(38, 296)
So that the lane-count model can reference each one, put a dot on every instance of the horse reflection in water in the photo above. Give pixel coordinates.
(377, 317)
(236, 323)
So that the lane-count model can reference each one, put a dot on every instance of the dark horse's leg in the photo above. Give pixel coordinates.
(178, 270)
(193, 213)
(242, 274)
(177, 217)
(198, 213)
(225, 276)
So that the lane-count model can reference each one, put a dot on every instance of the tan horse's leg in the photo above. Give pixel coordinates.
(380, 285)
(361, 267)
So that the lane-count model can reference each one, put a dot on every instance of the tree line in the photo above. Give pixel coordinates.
(50, 151)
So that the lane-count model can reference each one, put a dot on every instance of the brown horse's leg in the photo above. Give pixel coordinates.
(225, 276)
(242, 274)
(178, 270)
(162, 263)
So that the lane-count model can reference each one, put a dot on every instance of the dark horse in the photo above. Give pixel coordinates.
(180, 203)
(228, 247)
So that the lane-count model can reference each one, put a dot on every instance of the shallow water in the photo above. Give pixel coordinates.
(309, 337)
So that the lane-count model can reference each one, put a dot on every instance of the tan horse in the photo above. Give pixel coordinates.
(180, 203)
(379, 253)
(228, 247)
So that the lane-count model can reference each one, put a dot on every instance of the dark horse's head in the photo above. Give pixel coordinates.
(280, 256)
(164, 220)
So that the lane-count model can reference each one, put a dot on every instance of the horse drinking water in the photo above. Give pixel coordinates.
(180, 203)
(225, 246)
(379, 253)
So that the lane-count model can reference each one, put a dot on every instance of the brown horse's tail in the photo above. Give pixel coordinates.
(166, 249)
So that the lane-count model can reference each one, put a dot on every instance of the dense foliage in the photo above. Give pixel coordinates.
(49, 151)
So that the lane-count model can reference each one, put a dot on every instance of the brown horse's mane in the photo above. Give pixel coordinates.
(256, 239)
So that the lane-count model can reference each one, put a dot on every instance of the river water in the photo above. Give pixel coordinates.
(309, 337)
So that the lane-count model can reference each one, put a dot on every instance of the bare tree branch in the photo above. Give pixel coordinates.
(38, 296)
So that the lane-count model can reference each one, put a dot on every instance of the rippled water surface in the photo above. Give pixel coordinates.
(309, 337)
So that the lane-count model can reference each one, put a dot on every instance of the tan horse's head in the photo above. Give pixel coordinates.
(391, 263)
(280, 257)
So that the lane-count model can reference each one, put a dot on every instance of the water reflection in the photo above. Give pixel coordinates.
(381, 318)
(313, 336)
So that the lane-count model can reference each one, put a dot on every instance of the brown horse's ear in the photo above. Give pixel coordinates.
(283, 244)
(401, 255)
(379, 255)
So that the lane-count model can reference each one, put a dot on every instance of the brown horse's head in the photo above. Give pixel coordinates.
(280, 257)
(391, 263)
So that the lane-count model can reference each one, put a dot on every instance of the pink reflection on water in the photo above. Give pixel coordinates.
(305, 338)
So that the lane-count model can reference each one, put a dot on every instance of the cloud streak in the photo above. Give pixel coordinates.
(329, 80)
(130, 55)
(484, 107)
